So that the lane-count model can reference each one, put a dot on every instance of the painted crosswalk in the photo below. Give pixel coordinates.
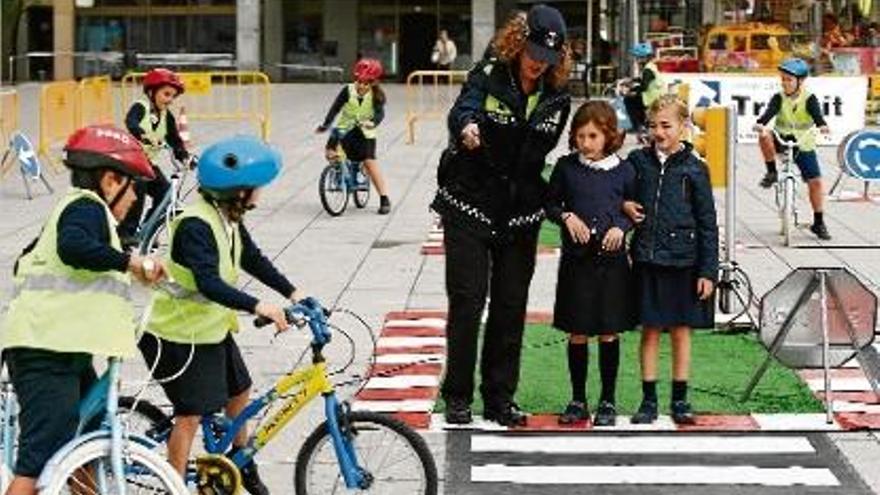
(683, 464)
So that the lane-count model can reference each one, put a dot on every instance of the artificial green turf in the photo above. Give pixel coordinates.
(721, 367)
(549, 235)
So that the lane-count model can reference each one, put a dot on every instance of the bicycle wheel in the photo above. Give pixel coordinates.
(154, 239)
(146, 419)
(87, 468)
(395, 456)
(787, 210)
(333, 190)
(362, 188)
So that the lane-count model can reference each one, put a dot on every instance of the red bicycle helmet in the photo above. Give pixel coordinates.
(107, 146)
(157, 78)
(368, 70)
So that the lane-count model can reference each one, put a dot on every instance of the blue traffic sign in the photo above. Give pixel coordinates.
(861, 155)
(27, 155)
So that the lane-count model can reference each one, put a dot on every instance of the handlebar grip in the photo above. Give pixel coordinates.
(261, 321)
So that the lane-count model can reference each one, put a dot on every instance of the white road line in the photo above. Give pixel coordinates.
(411, 342)
(794, 422)
(410, 358)
(653, 475)
(697, 444)
(402, 382)
(408, 405)
(417, 323)
(857, 384)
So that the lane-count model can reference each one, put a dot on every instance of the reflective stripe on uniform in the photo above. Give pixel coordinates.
(56, 283)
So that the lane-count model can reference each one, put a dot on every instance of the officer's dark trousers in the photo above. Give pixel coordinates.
(156, 190)
(475, 267)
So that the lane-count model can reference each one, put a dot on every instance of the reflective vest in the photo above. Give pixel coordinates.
(793, 119)
(194, 318)
(656, 88)
(499, 111)
(60, 308)
(357, 110)
(157, 137)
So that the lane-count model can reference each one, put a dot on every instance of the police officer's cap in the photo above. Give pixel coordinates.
(546, 33)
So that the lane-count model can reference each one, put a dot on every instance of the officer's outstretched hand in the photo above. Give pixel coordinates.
(147, 269)
(274, 313)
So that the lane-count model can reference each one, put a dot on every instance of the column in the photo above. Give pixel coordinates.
(247, 36)
(63, 17)
(482, 26)
(273, 38)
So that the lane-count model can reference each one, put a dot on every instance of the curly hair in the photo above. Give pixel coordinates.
(604, 117)
(510, 41)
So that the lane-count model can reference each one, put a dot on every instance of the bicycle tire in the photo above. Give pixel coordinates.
(330, 183)
(787, 211)
(362, 191)
(149, 419)
(361, 422)
(141, 462)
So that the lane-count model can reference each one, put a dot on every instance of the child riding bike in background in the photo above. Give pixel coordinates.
(71, 298)
(646, 89)
(193, 333)
(361, 106)
(797, 111)
(151, 122)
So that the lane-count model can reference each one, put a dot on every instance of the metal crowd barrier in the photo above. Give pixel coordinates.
(429, 95)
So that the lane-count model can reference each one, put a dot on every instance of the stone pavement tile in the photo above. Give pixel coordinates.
(862, 450)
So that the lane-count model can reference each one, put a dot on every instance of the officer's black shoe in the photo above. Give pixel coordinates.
(821, 231)
(508, 414)
(769, 179)
(250, 480)
(606, 414)
(458, 412)
(646, 414)
(681, 413)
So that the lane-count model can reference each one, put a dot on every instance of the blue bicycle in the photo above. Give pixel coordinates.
(108, 459)
(350, 451)
(341, 178)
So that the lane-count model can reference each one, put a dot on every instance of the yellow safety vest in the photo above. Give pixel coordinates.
(60, 308)
(156, 136)
(794, 119)
(357, 110)
(499, 111)
(194, 318)
(656, 88)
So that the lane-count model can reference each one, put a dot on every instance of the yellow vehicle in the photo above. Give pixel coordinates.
(749, 47)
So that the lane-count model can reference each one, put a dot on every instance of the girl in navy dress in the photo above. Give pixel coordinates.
(593, 291)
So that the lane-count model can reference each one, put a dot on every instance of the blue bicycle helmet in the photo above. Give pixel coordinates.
(643, 49)
(796, 67)
(240, 162)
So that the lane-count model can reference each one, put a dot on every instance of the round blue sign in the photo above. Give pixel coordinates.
(861, 156)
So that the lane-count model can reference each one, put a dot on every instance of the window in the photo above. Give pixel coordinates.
(718, 42)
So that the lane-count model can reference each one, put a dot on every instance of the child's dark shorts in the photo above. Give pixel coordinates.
(807, 161)
(49, 386)
(216, 373)
(357, 147)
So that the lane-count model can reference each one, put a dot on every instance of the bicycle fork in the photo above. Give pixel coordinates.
(353, 474)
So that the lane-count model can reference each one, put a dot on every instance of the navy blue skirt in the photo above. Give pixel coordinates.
(668, 297)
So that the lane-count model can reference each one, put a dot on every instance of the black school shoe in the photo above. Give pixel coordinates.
(384, 205)
(250, 476)
(458, 412)
(508, 414)
(821, 231)
(769, 179)
(575, 411)
(606, 414)
(681, 413)
(646, 414)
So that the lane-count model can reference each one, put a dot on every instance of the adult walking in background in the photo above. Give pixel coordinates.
(509, 115)
(445, 51)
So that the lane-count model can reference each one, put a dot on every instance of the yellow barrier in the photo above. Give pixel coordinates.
(59, 116)
(8, 124)
(873, 103)
(95, 105)
(216, 96)
(429, 95)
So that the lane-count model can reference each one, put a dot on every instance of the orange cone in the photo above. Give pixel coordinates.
(183, 128)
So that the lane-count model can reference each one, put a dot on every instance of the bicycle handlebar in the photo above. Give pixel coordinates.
(306, 312)
(788, 141)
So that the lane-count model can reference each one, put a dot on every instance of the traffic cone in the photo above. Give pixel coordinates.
(183, 127)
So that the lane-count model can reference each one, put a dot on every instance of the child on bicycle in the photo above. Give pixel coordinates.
(649, 86)
(71, 297)
(675, 252)
(593, 289)
(796, 111)
(361, 106)
(193, 334)
(150, 120)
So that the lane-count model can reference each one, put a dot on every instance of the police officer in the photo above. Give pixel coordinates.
(509, 115)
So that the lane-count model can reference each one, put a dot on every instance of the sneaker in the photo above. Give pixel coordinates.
(821, 231)
(509, 415)
(458, 412)
(681, 413)
(250, 480)
(384, 205)
(769, 179)
(575, 411)
(606, 414)
(646, 414)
